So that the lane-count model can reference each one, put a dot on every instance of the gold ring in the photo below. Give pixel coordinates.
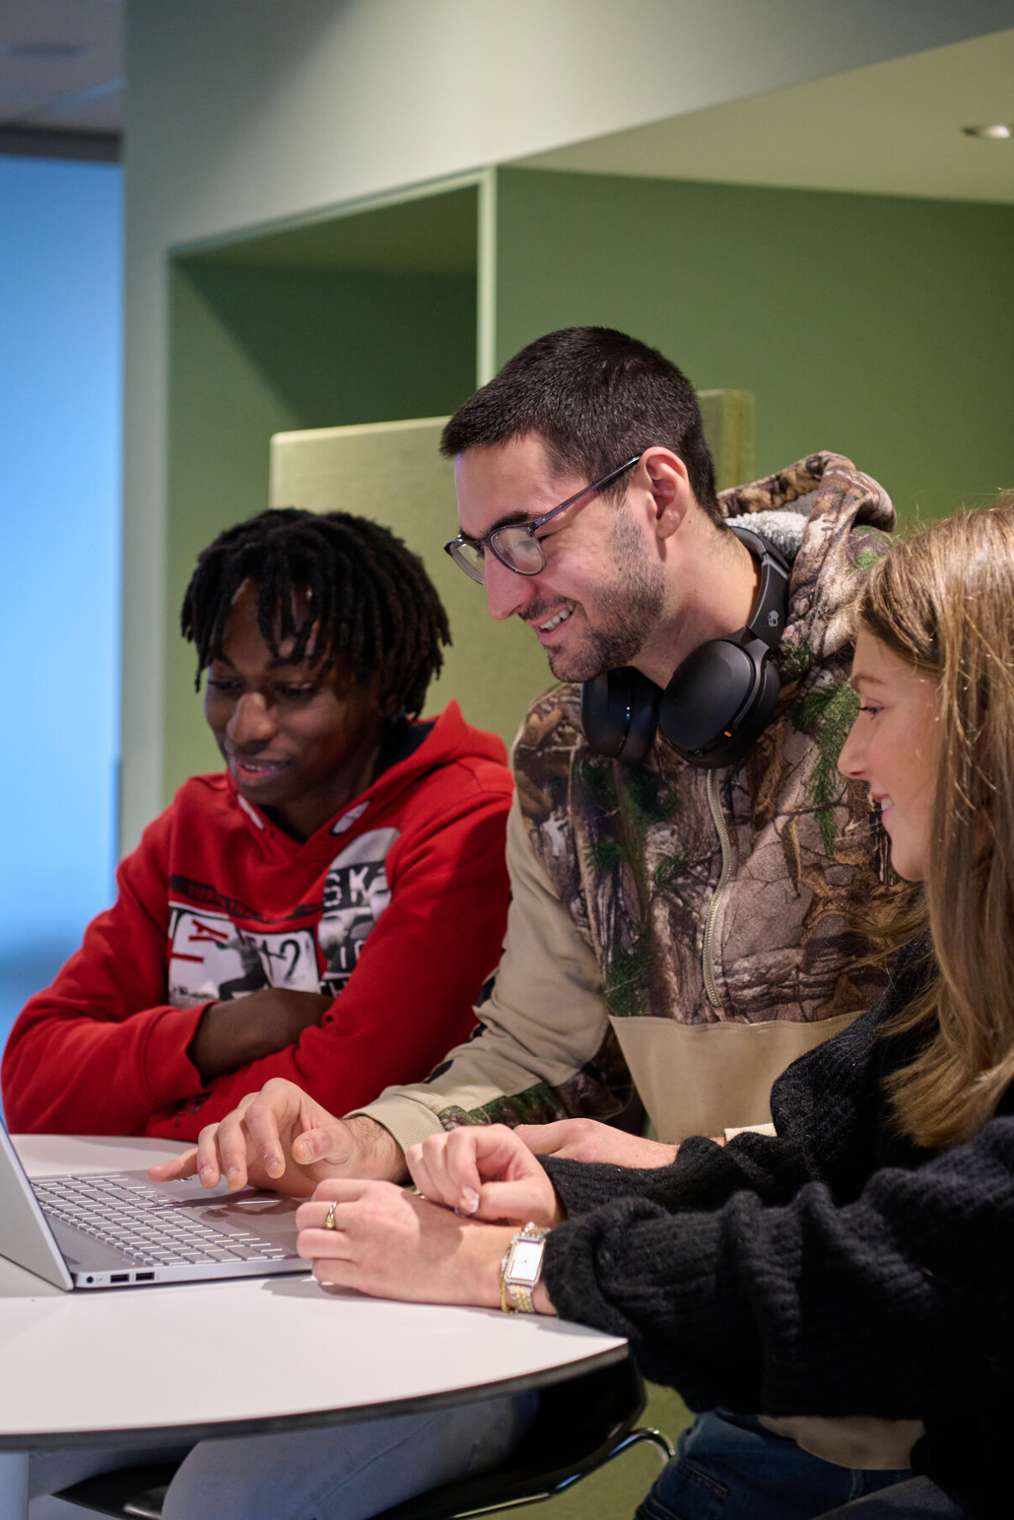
(329, 1223)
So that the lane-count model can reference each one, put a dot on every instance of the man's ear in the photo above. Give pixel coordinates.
(669, 484)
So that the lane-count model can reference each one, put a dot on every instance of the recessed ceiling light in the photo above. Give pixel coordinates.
(44, 52)
(998, 131)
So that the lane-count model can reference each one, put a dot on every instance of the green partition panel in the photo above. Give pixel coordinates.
(728, 427)
(393, 472)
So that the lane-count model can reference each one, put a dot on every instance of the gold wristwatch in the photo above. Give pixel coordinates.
(521, 1268)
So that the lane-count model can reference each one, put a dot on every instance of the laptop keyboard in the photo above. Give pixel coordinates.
(136, 1219)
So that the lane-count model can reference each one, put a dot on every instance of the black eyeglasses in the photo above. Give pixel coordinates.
(515, 544)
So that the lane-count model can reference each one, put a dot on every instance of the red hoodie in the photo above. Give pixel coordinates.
(396, 906)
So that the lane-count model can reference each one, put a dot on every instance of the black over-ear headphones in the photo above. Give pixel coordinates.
(717, 702)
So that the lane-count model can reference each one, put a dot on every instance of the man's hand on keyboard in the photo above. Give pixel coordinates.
(280, 1138)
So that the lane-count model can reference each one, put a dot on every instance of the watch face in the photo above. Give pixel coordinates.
(525, 1261)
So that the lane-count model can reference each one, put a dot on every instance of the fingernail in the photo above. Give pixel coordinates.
(469, 1201)
(233, 1174)
(272, 1163)
(207, 1174)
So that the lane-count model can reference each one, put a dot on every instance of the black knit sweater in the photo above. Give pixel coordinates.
(835, 1269)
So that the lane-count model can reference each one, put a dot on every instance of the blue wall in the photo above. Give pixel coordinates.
(61, 278)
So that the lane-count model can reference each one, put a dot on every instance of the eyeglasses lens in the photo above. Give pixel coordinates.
(518, 549)
(470, 559)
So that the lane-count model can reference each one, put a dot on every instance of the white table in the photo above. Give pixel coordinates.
(187, 1361)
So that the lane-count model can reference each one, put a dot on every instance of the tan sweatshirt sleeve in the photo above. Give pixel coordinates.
(545, 1049)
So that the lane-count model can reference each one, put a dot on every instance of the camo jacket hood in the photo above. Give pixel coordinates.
(732, 895)
(814, 512)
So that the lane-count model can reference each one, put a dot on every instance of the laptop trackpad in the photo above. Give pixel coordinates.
(251, 1210)
(264, 1214)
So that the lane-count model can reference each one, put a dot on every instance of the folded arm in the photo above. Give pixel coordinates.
(410, 996)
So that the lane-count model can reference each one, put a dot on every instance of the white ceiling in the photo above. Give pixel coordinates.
(72, 81)
(893, 128)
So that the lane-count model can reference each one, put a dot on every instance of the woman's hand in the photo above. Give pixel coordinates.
(589, 1140)
(484, 1171)
(388, 1242)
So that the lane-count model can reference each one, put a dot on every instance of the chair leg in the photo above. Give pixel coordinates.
(661, 1443)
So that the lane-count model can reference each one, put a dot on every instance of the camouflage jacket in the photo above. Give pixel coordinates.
(691, 930)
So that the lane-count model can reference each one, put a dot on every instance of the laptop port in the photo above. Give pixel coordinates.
(117, 1277)
(144, 1277)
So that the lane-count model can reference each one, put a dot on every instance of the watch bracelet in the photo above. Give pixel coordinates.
(515, 1298)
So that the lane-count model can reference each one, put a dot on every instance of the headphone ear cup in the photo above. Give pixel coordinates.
(619, 713)
(705, 695)
(760, 712)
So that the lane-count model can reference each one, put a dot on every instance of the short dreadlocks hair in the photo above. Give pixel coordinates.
(371, 601)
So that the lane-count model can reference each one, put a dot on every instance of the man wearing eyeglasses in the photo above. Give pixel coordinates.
(680, 927)
(693, 884)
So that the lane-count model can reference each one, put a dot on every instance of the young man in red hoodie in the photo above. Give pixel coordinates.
(325, 909)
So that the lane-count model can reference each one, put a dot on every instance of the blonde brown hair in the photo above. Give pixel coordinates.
(943, 600)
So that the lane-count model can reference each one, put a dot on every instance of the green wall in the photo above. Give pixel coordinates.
(878, 327)
(255, 350)
(320, 108)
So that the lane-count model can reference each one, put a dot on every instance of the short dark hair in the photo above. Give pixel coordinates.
(596, 397)
(373, 603)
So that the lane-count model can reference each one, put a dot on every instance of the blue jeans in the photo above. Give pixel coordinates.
(917, 1499)
(341, 1472)
(730, 1467)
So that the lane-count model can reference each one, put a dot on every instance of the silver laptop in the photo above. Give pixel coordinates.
(118, 1229)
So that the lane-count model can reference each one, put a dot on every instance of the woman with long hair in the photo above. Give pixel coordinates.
(856, 1263)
